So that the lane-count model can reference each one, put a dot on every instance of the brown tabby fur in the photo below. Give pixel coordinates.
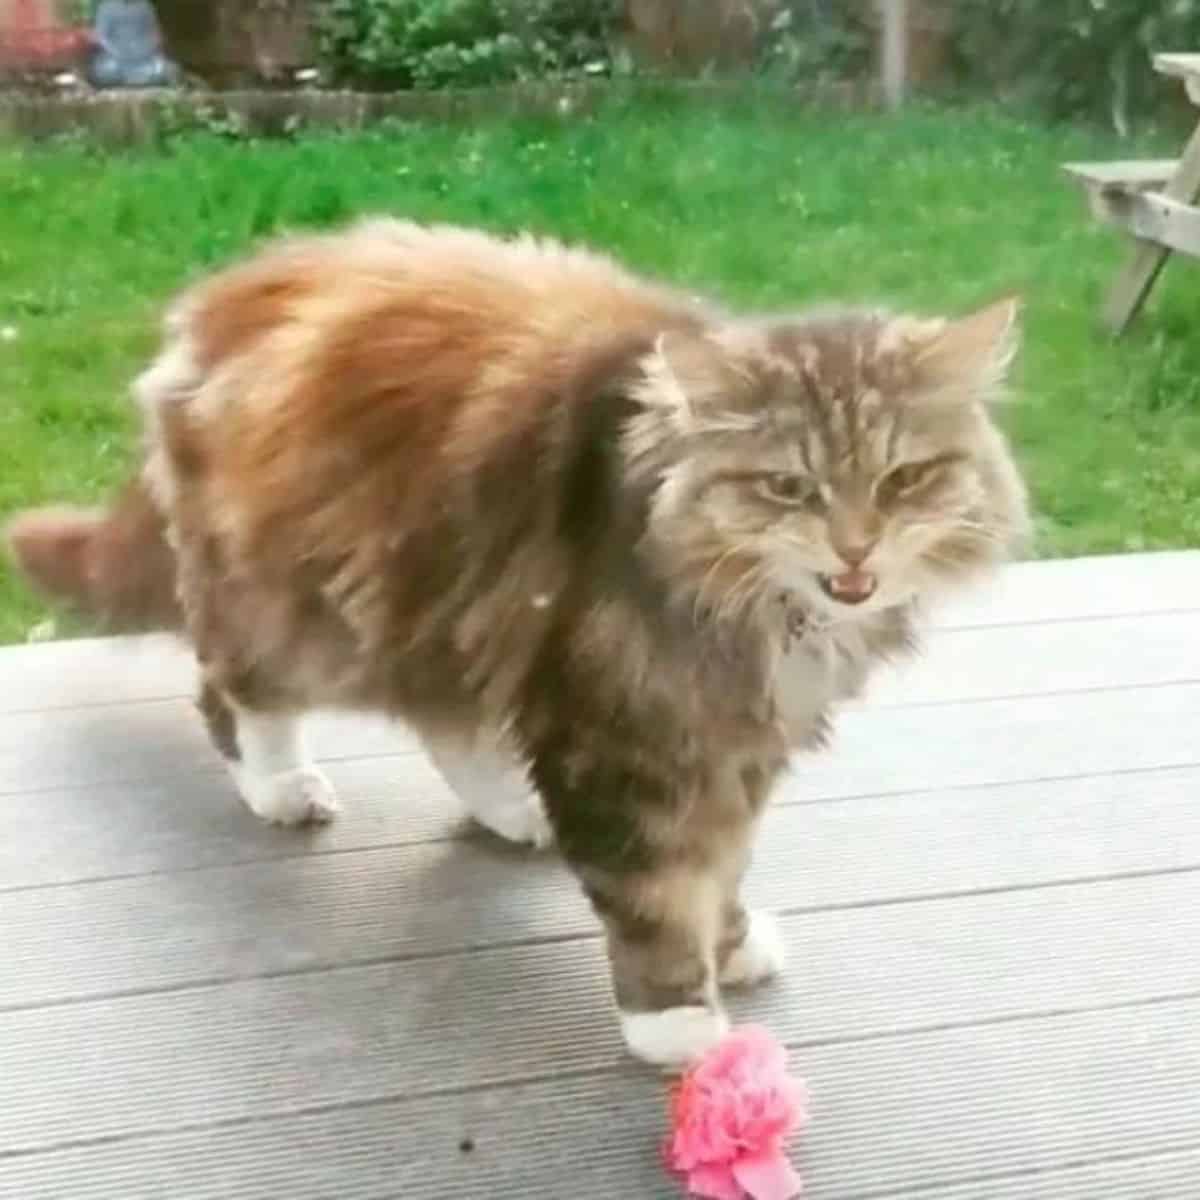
(503, 485)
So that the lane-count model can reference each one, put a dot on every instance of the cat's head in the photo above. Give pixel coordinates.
(847, 458)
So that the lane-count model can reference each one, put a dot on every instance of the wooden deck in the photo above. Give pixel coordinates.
(991, 888)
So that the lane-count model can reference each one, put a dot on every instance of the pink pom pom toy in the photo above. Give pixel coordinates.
(730, 1117)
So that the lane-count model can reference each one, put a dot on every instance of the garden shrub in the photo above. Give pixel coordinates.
(813, 40)
(1076, 58)
(466, 43)
(463, 43)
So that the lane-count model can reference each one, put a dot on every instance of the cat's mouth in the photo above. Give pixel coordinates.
(850, 587)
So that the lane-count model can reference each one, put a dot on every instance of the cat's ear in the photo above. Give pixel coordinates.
(700, 379)
(684, 376)
(671, 370)
(971, 355)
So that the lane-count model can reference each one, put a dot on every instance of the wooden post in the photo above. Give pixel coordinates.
(894, 51)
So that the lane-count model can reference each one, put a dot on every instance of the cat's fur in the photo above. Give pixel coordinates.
(575, 528)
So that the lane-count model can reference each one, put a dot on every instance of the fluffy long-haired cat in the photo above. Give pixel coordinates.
(580, 531)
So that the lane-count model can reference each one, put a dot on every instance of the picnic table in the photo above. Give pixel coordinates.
(1154, 201)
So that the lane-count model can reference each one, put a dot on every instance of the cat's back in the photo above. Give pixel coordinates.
(394, 285)
(371, 368)
(388, 329)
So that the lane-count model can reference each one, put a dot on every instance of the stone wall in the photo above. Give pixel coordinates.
(146, 116)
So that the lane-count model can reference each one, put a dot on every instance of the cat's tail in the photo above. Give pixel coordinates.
(114, 566)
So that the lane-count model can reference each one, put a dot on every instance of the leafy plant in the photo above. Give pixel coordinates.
(810, 40)
(440, 43)
(1076, 57)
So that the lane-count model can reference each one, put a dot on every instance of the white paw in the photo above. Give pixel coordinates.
(674, 1037)
(297, 797)
(519, 819)
(760, 957)
(492, 786)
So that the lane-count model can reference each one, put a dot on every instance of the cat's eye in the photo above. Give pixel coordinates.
(907, 476)
(786, 488)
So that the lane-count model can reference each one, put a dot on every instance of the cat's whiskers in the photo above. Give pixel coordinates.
(744, 590)
(981, 534)
(946, 558)
(710, 577)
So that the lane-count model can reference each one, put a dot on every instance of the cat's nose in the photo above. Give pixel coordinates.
(854, 554)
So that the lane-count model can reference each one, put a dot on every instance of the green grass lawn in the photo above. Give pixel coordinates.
(762, 205)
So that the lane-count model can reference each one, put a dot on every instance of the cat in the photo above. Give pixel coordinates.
(614, 552)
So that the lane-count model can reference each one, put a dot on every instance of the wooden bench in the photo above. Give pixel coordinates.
(1151, 200)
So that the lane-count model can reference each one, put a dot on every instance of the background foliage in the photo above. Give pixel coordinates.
(1069, 58)
(817, 39)
(439, 43)
(466, 43)
(759, 201)
(1076, 58)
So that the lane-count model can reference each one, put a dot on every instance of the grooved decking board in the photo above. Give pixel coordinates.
(876, 749)
(983, 664)
(879, 751)
(326, 910)
(196, 819)
(159, 739)
(1079, 589)
(99, 672)
(961, 1104)
(1144, 1175)
(1024, 1109)
(991, 889)
(1010, 834)
(95, 672)
(267, 1045)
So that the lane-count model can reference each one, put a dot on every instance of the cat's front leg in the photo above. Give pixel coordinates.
(658, 878)
(265, 753)
(662, 927)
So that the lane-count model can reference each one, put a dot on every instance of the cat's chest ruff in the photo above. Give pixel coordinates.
(817, 664)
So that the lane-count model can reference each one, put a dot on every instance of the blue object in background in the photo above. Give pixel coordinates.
(129, 47)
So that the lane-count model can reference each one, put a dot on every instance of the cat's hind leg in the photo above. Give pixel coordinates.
(491, 785)
(264, 750)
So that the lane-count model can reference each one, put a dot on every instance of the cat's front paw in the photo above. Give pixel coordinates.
(674, 1037)
(760, 957)
(302, 796)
